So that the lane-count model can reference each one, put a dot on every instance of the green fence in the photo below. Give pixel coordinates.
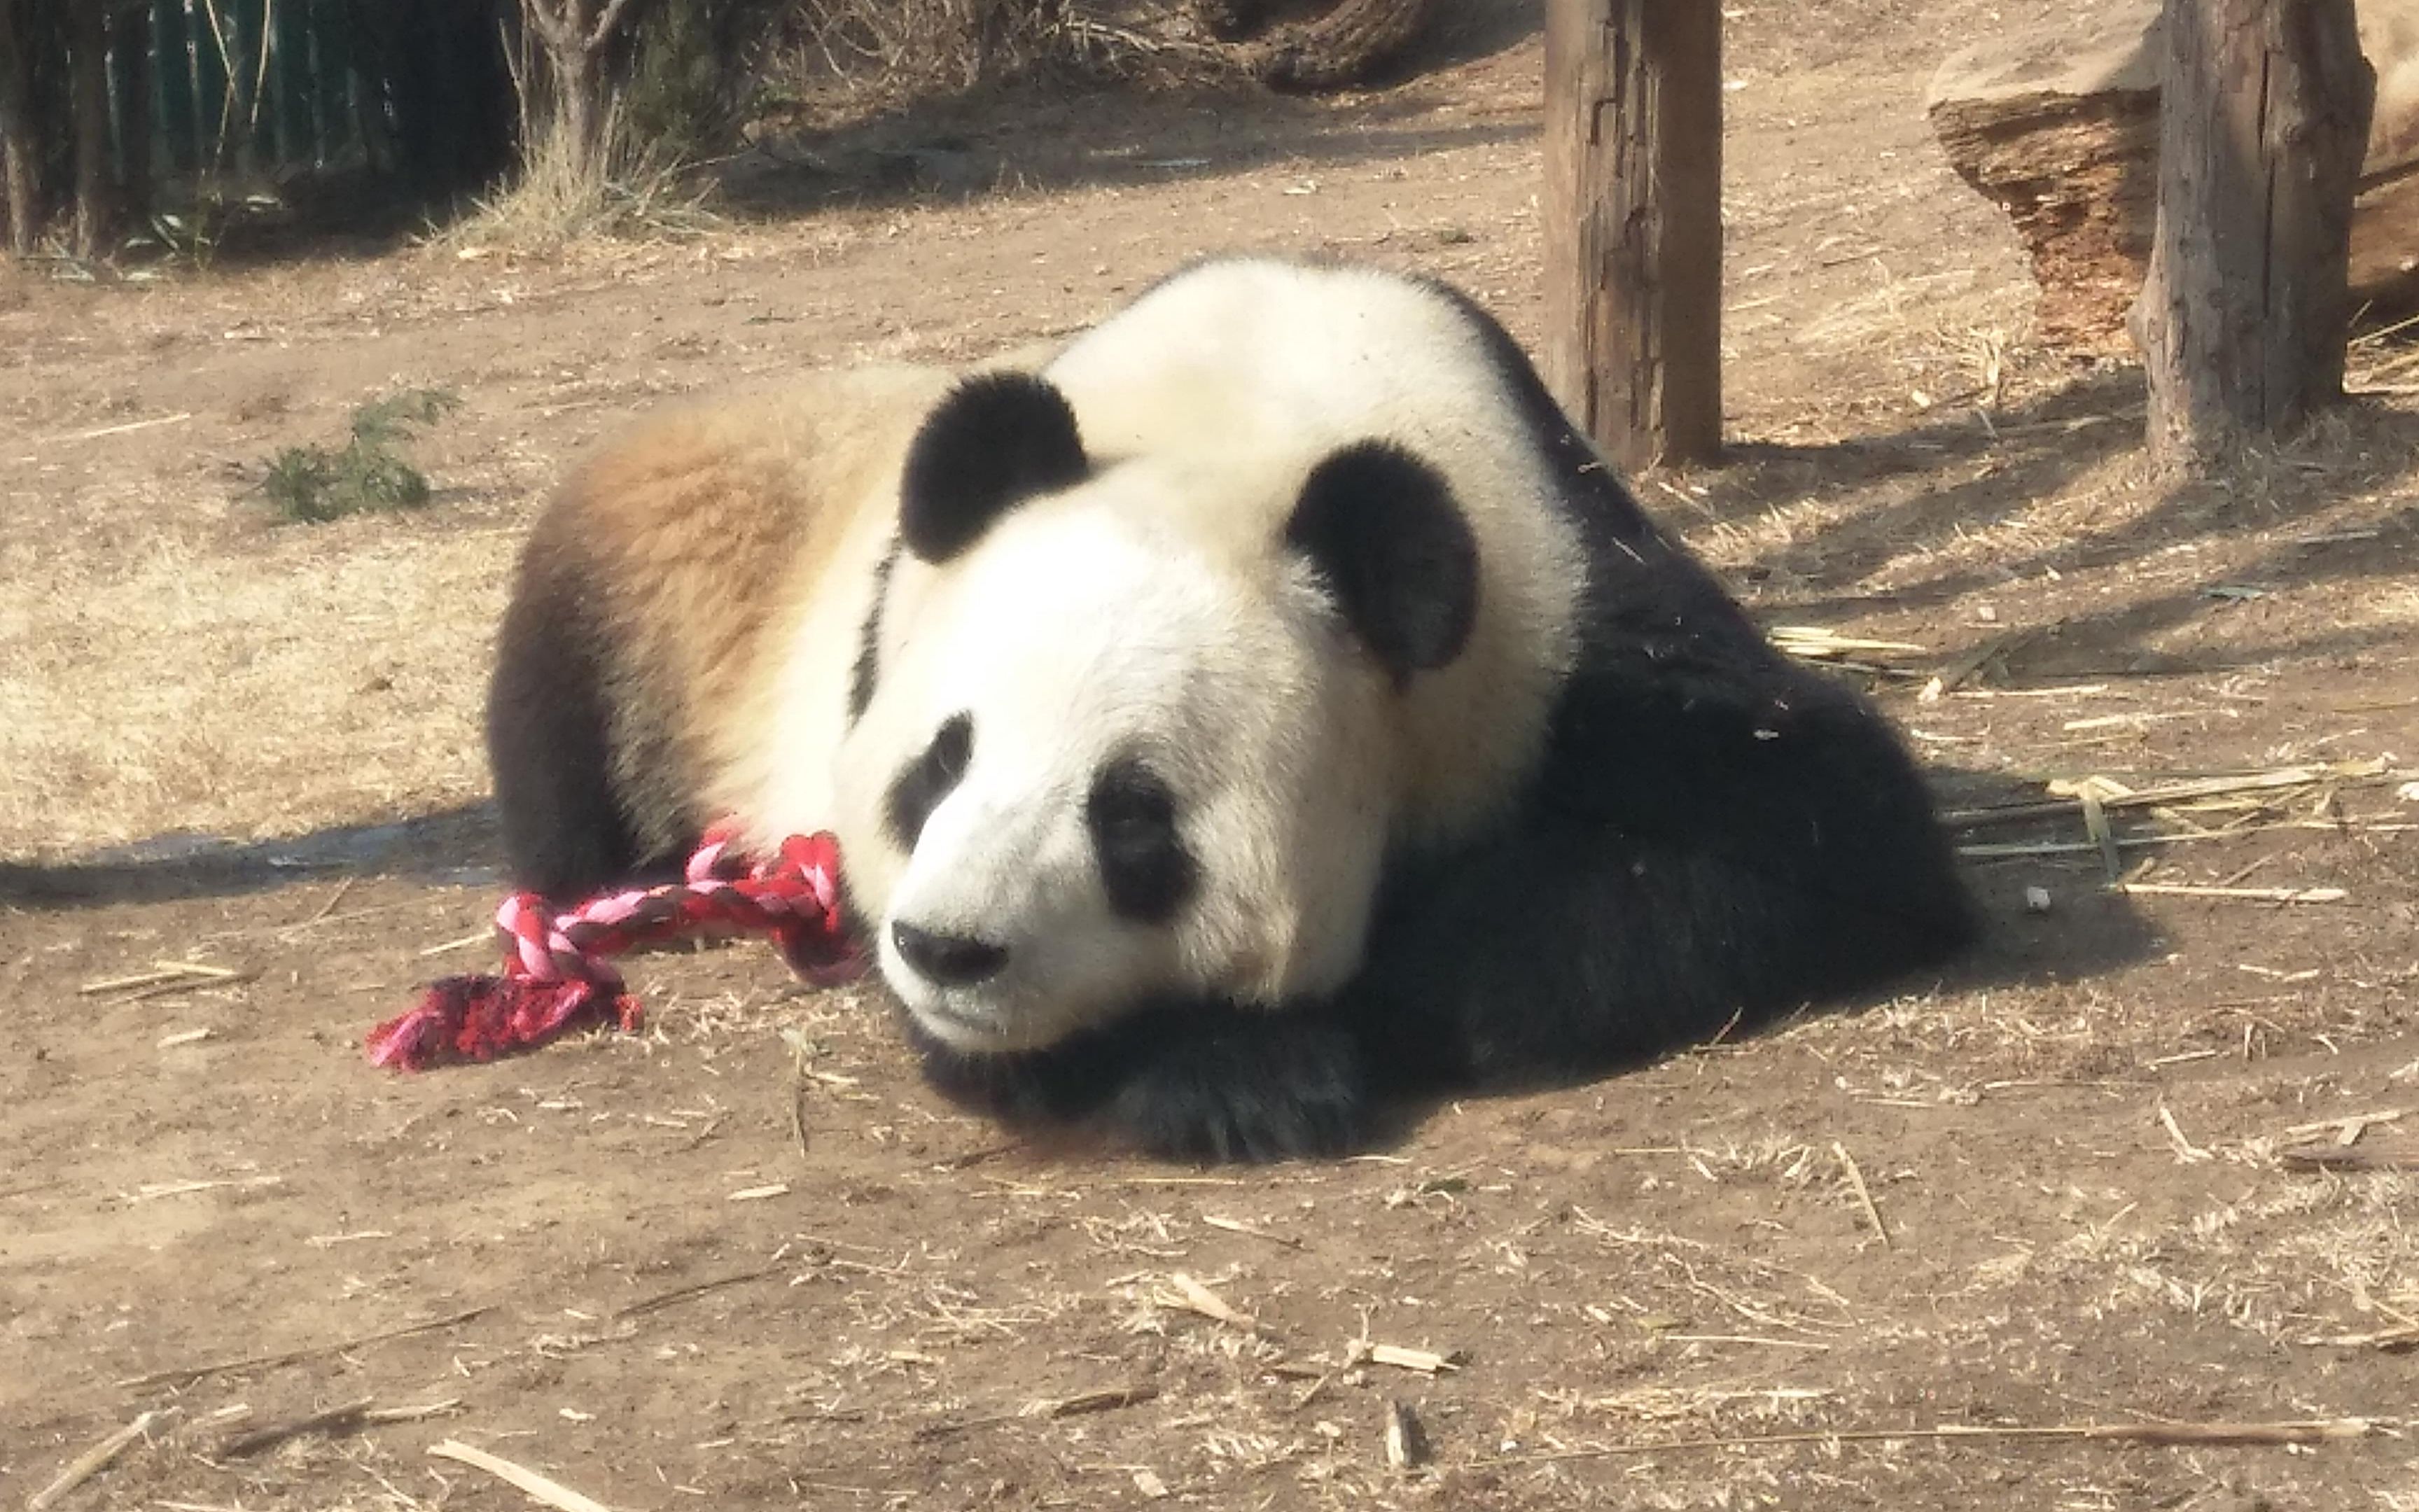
(248, 87)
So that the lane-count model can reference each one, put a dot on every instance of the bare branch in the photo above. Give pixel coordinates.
(607, 23)
(554, 23)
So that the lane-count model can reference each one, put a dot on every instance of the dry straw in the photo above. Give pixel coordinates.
(540, 1487)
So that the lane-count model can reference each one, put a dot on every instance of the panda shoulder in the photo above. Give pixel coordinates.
(738, 472)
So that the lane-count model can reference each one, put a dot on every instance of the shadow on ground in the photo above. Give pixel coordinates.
(457, 847)
(1995, 471)
(1026, 139)
(1070, 128)
(451, 847)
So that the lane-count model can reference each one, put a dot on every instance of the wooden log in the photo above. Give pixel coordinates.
(2263, 120)
(2058, 124)
(1633, 224)
(1349, 45)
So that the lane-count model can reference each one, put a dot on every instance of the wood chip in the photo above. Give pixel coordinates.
(2115, 795)
(2190, 1153)
(2334, 1157)
(164, 975)
(2255, 895)
(695, 1288)
(1864, 1196)
(202, 968)
(85, 1466)
(187, 983)
(759, 1193)
(328, 1419)
(2319, 1430)
(1426, 1362)
(2095, 823)
(349, 1418)
(1407, 1443)
(1150, 1484)
(189, 1374)
(153, 1191)
(1192, 1296)
(2391, 1340)
(1237, 1226)
(128, 427)
(553, 1493)
(1815, 643)
(1106, 1399)
(1964, 669)
(2348, 1129)
(140, 979)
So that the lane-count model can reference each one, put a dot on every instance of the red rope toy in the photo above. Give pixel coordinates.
(558, 973)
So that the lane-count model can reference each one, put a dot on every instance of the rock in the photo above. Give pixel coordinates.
(2058, 123)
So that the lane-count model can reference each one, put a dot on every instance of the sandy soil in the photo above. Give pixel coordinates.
(2100, 1175)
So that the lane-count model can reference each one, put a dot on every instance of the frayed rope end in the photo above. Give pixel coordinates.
(557, 971)
(475, 1018)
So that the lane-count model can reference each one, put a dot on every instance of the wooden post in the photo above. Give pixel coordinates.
(1633, 232)
(2263, 119)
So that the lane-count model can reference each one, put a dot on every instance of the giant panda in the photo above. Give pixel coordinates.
(1263, 713)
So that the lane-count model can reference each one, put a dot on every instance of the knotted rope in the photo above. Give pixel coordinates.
(558, 971)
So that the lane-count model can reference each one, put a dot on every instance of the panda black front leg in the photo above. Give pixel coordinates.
(1206, 1083)
(1245, 1086)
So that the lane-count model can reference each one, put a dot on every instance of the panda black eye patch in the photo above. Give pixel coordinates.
(1145, 868)
(929, 779)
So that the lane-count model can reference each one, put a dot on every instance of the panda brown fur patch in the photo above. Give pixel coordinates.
(635, 694)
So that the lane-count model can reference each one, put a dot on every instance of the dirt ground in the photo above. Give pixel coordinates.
(2150, 1159)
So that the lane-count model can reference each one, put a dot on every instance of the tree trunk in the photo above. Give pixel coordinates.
(1634, 225)
(130, 36)
(2263, 116)
(21, 154)
(2056, 121)
(89, 93)
(577, 107)
(575, 35)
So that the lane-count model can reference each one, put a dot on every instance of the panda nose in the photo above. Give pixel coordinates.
(948, 960)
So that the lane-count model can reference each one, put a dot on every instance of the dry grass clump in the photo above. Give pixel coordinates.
(641, 193)
(843, 58)
(2384, 359)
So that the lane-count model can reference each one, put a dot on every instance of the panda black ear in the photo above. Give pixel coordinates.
(1383, 528)
(997, 438)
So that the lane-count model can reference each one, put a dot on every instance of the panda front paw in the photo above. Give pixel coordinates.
(1204, 1084)
(1246, 1089)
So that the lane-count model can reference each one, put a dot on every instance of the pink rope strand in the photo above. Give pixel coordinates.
(558, 970)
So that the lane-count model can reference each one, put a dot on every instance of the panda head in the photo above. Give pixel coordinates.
(1123, 730)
